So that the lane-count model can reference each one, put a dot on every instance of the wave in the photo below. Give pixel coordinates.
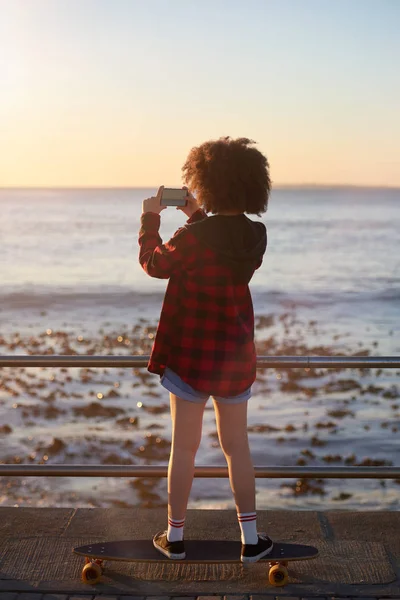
(53, 298)
(121, 297)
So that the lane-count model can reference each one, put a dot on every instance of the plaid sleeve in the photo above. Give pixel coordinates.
(158, 259)
(197, 216)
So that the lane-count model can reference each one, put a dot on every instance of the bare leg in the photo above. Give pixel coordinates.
(187, 421)
(231, 422)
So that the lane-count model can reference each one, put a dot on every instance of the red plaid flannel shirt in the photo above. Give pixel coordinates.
(206, 328)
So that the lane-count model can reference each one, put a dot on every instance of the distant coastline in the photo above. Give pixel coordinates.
(283, 186)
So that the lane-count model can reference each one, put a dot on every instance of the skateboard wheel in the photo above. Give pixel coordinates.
(91, 573)
(278, 575)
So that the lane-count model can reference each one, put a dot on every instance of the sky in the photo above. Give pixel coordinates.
(117, 92)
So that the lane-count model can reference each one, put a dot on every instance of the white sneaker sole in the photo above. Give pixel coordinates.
(180, 556)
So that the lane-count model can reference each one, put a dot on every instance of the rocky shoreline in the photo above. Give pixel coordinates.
(121, 416)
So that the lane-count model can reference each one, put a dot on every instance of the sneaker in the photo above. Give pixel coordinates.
(253, 552)
(174, 550)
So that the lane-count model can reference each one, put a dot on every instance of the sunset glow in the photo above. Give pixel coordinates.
(100, 93)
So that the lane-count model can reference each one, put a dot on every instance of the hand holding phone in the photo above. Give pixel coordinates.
(191, 205)
(182, 198)
(153, 204)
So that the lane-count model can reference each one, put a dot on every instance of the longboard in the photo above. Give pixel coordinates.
(197, 551)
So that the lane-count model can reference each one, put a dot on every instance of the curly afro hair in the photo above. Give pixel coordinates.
(228, 175)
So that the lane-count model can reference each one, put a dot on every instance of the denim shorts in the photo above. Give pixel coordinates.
(173, 383)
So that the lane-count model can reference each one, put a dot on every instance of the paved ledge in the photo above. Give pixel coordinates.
(36, 596)
(359, 556)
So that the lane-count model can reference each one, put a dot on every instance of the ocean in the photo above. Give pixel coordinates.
(71, 280)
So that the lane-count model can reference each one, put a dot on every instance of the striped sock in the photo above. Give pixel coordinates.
(248, 527)
(175, 530)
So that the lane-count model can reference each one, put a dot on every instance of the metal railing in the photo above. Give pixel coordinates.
(288, 362)
(306, 362)
(201, 471)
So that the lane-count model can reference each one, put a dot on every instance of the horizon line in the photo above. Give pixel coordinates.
(145, 187)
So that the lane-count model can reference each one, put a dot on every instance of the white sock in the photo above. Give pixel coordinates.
(248, 527)
(175, 530)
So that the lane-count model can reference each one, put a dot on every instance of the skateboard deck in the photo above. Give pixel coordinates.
(197, 551)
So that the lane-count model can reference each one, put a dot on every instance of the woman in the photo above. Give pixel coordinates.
(204, 343)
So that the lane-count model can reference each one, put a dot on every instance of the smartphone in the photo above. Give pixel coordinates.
(174, 197)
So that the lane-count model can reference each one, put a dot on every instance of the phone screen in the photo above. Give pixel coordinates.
(173, 197)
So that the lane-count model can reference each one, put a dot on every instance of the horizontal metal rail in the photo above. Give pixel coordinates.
(387, 362)
(201, 471)
(84, 360)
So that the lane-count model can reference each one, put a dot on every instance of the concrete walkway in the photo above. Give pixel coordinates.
(36, 596)
(359, 555)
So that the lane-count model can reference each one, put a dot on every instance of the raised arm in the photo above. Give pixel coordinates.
(158, 259)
